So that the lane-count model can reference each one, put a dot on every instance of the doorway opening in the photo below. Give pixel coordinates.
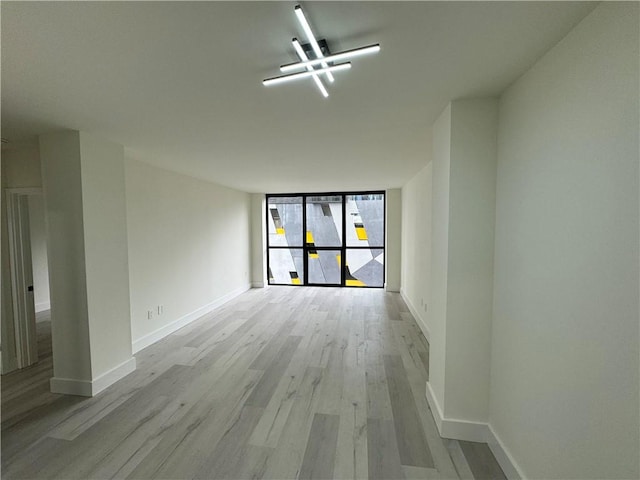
(326, 239)
(28, 278)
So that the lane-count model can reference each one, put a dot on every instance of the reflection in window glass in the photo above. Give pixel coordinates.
(365, 220)
(324, 221)
(286, 266)
(324, 267)
(285, 221)
(365, 267)
(326, 239)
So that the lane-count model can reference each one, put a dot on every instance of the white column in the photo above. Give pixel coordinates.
(84, 191)
(393, 242)
(258, 241)
(462, 269)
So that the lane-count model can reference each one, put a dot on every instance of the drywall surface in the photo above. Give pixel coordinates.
(62, 187)
(564, 390)
(106, 262)
(416, 245)
(472, 183)
(189, 245)
(39, 253)
(393, 246)
(439, 251)
(9, 354)
(22, 167)
(258, 241)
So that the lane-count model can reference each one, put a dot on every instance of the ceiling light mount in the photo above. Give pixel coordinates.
(324, 48)
(316, 60)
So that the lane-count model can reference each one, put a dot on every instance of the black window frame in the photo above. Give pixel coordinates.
(343, 248)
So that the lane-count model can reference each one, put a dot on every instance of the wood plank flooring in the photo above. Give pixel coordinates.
(279, 383)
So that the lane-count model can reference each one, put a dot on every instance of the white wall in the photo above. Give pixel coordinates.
(463, 200)
(39, 253)
(393, 250)
(439, 251)
(7, 331)
(105, 249)
(22, 167)
(83, 184)
(258, 241)
(189, 248)
(60, 153)
(472, 186)
(564, 390)
(416, 246)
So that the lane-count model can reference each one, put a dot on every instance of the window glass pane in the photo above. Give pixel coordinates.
(365, 220)
(286, 266)
(365, 267)
(285, 221)
(324, 221)
(324, 266)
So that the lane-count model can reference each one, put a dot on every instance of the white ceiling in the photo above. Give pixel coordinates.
(179, 84)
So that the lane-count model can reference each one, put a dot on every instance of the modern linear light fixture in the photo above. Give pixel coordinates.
(316, 60)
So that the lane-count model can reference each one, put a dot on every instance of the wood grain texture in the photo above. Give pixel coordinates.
(319, 456)
(384, 458)
(280, 383)
(481, 461)
(412, 443)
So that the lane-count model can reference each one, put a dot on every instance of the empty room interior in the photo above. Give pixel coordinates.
(386, 240)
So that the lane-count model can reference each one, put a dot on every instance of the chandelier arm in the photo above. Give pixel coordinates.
(316, 77)
(300, 75)
(356, 52)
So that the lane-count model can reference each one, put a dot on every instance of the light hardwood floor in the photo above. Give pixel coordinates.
(280, 383)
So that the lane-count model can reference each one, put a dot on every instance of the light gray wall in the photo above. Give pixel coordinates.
(189, 247)
(564, 391)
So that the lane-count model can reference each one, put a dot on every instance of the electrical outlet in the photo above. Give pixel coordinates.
(160, 309)
(149, 314)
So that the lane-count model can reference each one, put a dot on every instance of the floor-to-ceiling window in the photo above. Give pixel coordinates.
(332, 239)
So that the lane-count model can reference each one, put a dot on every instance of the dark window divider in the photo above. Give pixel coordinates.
(343, 249)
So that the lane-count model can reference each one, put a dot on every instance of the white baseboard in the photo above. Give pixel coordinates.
(86, 388)
(69, 386)
(455, 428)
(391, 288)
(112, 376)
(41, 307)
(257, 284)
(436, 411)
(416, 314)
(509, 466)
(473, 432)
(168, 329)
